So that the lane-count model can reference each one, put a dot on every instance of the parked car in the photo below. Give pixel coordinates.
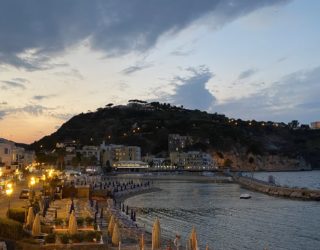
(24, 194)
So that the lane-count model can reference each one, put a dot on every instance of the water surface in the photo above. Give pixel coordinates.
(301, 179)
(225, 222)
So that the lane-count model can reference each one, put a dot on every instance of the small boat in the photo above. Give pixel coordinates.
(245, 196)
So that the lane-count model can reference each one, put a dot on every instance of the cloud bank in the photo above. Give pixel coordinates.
(33, 31)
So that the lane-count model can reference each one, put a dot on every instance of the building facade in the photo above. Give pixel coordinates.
(315, 125)
(176, 142)
(111, 154)
(193, 160)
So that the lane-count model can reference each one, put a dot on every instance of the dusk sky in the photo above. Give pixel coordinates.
(248, 59)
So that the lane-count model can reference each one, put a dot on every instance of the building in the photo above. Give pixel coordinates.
(13, 157)
(6, 154)
(193, 160)
(177, 143)
(110, 154)
(90, 152)
(130, 165)
(315, 125)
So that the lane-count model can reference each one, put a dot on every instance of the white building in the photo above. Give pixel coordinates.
(109, 154)
(315, 125)
(13, 157)
(193, 160)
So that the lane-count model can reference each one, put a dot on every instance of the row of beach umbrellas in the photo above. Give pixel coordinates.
(33, 222)
(114, 233)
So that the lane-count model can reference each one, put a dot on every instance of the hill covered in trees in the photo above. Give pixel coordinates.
(148, 125)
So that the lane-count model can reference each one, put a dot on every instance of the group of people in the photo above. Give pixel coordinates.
(176, 243)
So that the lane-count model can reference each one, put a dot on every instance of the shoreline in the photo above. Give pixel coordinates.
(123, 198)
(179, 177)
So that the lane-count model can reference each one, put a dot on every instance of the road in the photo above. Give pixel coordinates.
(15, 202)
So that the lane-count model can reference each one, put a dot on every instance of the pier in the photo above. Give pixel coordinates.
(275, 190)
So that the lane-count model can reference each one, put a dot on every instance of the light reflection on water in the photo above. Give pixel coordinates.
(225, 222)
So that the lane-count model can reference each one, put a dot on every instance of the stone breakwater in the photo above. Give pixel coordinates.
(264, 187)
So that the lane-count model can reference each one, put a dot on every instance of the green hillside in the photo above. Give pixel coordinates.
(148, 125)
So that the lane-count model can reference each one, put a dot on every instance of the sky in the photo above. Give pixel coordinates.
(246, 59)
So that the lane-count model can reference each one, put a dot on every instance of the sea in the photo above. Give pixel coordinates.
(223, 221)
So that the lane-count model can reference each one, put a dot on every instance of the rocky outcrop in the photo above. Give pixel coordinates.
(240, 161)
(264, 187)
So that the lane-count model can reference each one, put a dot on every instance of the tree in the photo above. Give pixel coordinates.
(293, 124)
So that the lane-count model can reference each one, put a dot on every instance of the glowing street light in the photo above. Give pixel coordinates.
(9, 191)
(32, 181)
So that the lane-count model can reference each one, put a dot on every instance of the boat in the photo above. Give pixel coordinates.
(245, 196)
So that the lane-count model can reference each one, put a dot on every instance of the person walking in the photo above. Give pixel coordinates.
(177, 242)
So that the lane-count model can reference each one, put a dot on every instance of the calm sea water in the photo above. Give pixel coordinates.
(225, 222)
(302, 179)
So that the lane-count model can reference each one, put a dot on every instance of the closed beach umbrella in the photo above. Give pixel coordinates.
(30, 217)
(115, 235)
(73, 227)
(36, 227)
(156, 231)
(111, 225)
(142, 242)
(193, 238)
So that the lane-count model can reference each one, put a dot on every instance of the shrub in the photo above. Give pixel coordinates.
(59, 221)
(50, 238)
(89, 220)
(80, 221)
(77, 238)
(10, 229)
(64, 238)
(17, 214)
(90, 235)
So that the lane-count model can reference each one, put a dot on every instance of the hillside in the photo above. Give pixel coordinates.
(148, 125)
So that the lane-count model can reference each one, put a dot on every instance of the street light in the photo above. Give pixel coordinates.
(9, 191)
(31, 184)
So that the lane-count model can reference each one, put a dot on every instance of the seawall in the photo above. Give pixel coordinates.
(264, 187)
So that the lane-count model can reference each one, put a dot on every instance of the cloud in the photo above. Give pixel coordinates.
(71, 73)
(41, 97)
(179, 52)
(191, 91)
(294, 96)
(29, 60)
(40, 30)
(36, 110)
(2, 114)
(247, 73)
(138, 67)
(12, 84)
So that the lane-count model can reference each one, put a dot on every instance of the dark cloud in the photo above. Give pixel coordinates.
(285, 100)
(33, 31)
(138, 67)
(191, 91)
(12, 84)
(247, 73)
